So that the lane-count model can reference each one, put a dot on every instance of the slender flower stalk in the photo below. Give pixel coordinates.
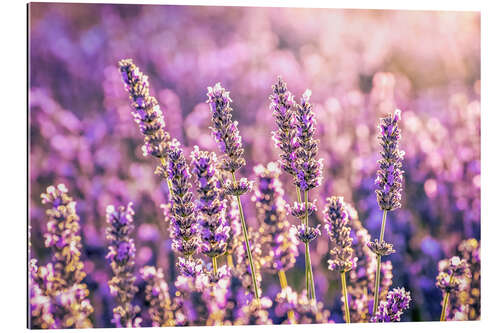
(210, 210)
(226, 134)
(389, 184)
(121, 256)
(146, 112)
(452, 277)
(337, 225)
(308, 169)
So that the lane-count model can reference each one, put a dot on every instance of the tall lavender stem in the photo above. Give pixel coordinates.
(389, 184)
(227, 136)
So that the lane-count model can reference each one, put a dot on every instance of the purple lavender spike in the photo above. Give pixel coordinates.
(393, 308)
(121, 256)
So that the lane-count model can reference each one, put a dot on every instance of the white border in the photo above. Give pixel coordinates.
(13, 166)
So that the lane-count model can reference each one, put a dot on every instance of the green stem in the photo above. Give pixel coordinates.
(445, 305)
(214, 264)
(308, 255)
(445, 302)
(379, 257)
(284, 284)
(346, 301)
(249, 253)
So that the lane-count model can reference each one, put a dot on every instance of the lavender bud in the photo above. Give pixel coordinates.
(306, 234)
(224, 130)
(241, 187)
(389, 179)
(282, 104)
(381, 248)
(338, 229)
(453, 274)
(392, 308)
(147, 113)
(309, 168)
(298, 210)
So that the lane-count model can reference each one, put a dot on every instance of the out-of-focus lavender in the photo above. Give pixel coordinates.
(82, 134)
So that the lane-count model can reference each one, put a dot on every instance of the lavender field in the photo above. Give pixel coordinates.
(236, 166)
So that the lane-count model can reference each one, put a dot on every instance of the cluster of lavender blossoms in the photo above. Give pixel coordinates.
(393, 307)
(211, 214)
(454, 275)
(183, 229)
(161, 309)
(276, 237)
(282, 104)
(389, 179)
(121, 256)
(59, 297)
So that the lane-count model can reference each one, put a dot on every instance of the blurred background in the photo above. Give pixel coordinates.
(359, 64)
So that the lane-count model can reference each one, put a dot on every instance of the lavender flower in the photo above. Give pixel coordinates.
(306, 234)
(61, 279)
(298, 210)
(211, 218)
(380, 248)
(452, 274)
(225, 131)
(392, 309)
(121, 256)
(282, 104)
(147, 113)
(338, 229)
(160, 306)
(389, 179)
(278, 243)
(238, 188)
(309, 168)
(183, 230)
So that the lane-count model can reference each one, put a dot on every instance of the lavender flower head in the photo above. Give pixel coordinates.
(337, 226)
(393, 307)
(63, 235)
(389, 179)
(183, 229)
(121, 256)
(225, 131)
(282, 104)
(160, 306)
(61, 279)
(306, 234)
(146, 110)
(278, 243)
(309, 167)
(211, 218)
(453, 274)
